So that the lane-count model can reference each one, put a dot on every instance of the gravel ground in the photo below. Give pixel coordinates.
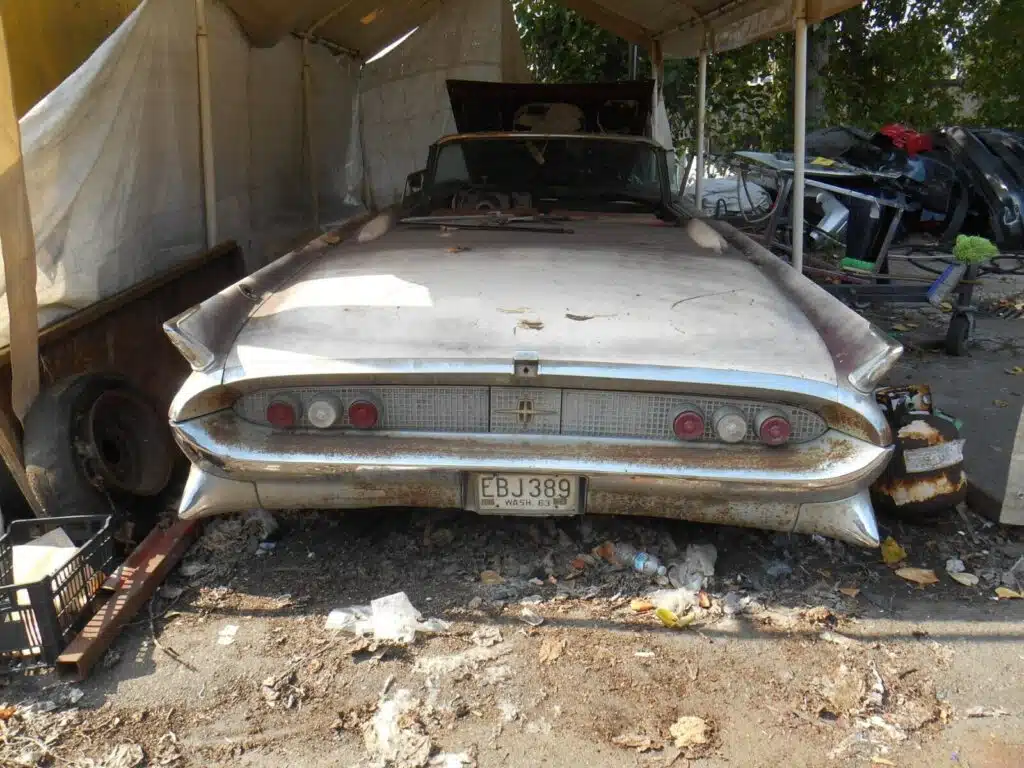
(808, 653)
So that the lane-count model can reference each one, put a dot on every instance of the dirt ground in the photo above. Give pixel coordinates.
(811, 653)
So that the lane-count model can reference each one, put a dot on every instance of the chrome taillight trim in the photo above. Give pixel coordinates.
(533, 411)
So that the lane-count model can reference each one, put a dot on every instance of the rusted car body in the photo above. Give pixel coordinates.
(599, 355)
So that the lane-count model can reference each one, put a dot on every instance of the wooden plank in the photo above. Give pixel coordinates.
(19, 248)
(1012, 511)
(613, 22)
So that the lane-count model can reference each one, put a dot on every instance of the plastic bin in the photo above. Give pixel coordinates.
(60, 603)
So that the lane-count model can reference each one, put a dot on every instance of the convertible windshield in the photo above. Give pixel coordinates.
(517, 172)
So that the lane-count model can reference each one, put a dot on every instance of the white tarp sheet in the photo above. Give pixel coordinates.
(112, 156)
(403, 98)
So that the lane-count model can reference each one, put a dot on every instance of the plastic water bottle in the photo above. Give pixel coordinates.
(641, 562)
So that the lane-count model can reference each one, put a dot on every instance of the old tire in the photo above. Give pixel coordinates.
(94, 444)
(958, 334)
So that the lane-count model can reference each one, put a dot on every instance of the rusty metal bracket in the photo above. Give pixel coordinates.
(124, 593)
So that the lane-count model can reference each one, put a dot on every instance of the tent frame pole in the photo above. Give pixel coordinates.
(702, 104)
(799, 135)
(307, 111)
(206, 125)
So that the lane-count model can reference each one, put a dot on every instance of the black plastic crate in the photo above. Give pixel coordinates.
(60, 603)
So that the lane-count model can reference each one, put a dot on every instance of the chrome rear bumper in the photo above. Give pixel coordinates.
(817, 487)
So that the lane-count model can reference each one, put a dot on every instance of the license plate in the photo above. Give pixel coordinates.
(547, 494)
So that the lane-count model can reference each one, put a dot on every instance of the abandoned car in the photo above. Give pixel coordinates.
(540, 329)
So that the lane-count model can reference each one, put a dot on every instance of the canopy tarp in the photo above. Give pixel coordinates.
(363, 27)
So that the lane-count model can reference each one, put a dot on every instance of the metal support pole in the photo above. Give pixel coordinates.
(702, 104)
(799, 139)
(206, 125)
(634, 60)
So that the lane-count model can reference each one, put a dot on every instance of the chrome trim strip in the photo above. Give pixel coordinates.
(834, 465)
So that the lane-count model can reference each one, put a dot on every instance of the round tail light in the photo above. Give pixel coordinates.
(730, 424)
(362, 414)
(281, 413)
(689, 424)
(323, 412)
(773, 427)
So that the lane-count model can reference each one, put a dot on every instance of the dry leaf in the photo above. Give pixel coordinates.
(331, 238)
(6, 713)
(900, 328)
(634, 741)
(921, 576)
(514, 310)
(946, 306)
(1015, 371)
(672, 621)
(551, 649)
(850, 591)
(703, 599)
(530, 325)
(1008, 594)
(458, 249)
(967, 579)
(689, 731)
(881, 761)
(490, 577)
(892, 552)
(639, 605)
(1000, 403)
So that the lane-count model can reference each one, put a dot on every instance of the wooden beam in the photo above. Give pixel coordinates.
(613, 22)
(19, 248)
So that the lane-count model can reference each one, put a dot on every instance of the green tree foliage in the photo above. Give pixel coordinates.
(919, 62)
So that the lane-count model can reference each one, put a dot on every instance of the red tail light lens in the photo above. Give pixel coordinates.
(773, 428)
(363, 414)
(689, 424)
(281, 414)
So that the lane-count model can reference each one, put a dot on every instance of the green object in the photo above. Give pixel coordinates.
(970, 249)
(863, 266)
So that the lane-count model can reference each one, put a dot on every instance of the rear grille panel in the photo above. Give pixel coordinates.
(530, 411)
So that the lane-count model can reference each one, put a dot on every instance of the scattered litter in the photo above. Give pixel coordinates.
(514, 310)
(391, 617)
(955, 565)
(452, 760)
(485, 637)
(672, 620)
(193, 568)
(462, 664)
(819, 614)
(265, 548)
(530, 325)
(394, 736)
(226, 636)
(74, 695)
(967, 579)
(986, 712)
(6, 713)
(850, 591)
(170, 592)
(1015, 371)
(1000, 403)
(1005, 593)
(892, 552)
(704, 600)
(920, 576)
(532, 600)
(531, 617)
(124, 756)
(778, 569)
(551, 649)
(689, 732)
(697, 566)
(841, 640)
(1014, 578)
(475, 603)
(644, 654)
(634, 741)
(579, 318)
(458, 249)
(677, 601)
(281, 689)
(640, 605)
(491, 577)
(629, 556)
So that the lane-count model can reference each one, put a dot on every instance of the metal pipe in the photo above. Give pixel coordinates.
(307, 110)
(799, 139)
(702, 97)
(206, 125)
